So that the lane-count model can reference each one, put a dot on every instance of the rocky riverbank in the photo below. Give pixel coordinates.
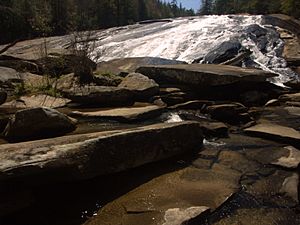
(149, 140)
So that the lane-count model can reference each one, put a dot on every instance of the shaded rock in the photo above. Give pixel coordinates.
(237, 161)
(196, 104)
(100, 95)
(20, 65)
(202, 75)
(85, 156)
(178, 216)
(39, 122)
(169, 90)
(4, 119)
(295, 111)
(294, 84)
(290, 97)
(230, 113)
(261, 216)
(278, 188)
(175, 98)
(294, 104)
(37, 101)
(290, 187)
(225, 51)
(214, 129)
(3, 97)
(125, 66)
(142, 86)
(275, 132)
(123, 114)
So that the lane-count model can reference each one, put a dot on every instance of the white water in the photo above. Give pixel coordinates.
(188, 39)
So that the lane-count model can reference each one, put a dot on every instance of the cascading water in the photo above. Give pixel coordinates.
(187, 39)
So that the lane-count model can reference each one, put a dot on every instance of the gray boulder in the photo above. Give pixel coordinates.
(142, 86)
(225, 51)
(35, 123)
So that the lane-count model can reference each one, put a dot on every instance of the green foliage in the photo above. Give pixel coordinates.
(57, 17)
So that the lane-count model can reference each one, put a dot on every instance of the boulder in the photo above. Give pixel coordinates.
(142, 86)
(214, 129)
(38, 100)
(107, 79)
(99, 95)
(225, 51)
(123, 114)
(125, 66)
(85, 156)
(34, 123)
(233, 113)
(8, 75)
(276, 132)
(202, 75)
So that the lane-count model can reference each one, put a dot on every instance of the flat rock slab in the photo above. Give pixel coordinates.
(153, 203)
(275, 132)
(129, 65)
(37, 101)
(202, 74)
(88, 155)
(100, 95)
(123, 114)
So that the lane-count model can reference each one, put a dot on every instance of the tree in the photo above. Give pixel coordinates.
(206, 7)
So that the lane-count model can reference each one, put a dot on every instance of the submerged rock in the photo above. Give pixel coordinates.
(41, 122)
(85, 156)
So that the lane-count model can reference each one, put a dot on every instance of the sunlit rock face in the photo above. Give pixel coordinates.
(185, 39)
